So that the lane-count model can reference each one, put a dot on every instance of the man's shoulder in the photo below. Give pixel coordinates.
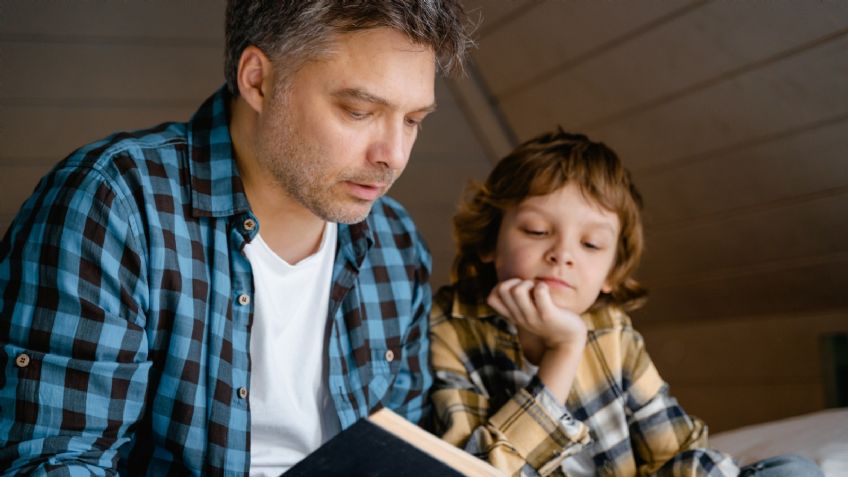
(143, 147)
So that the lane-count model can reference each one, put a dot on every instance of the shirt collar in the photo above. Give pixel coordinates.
(216, 187)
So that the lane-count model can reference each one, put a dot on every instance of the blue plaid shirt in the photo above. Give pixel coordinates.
(126, 306)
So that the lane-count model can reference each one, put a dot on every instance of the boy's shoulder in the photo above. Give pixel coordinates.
(608, 318)
(448, 304)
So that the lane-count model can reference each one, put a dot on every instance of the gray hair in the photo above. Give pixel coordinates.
(295, 31)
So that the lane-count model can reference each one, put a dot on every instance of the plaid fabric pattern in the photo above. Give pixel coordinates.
(125, 311)
(618, 414)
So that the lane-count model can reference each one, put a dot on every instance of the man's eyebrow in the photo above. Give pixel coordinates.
(362, 95)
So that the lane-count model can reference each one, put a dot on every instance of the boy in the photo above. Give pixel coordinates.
(538, 368)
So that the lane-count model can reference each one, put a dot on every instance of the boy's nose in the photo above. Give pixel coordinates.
(560, 254)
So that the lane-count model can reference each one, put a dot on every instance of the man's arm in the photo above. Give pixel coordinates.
(73, 348)
(409, 395)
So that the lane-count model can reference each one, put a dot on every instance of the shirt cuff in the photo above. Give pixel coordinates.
(540, 429)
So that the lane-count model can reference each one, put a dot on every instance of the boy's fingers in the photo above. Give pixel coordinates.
(495, 302)
(521, 294)
(544, 302)
(502, 297)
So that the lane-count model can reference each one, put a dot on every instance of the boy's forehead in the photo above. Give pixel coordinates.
(569, 201)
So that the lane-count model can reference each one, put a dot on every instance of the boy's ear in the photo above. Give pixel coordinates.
(608, 286)
(487, 257)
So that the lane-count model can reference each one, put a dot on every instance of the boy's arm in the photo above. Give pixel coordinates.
(73, 349)
(529, 435)
(666, 440)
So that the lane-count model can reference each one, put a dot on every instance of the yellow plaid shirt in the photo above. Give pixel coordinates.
(619, 419)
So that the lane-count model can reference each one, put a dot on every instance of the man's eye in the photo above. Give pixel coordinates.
(412, 122)
(357, 114)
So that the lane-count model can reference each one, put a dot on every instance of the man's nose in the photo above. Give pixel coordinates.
(391, 148)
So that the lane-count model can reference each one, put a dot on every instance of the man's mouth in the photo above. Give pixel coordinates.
(365, 190)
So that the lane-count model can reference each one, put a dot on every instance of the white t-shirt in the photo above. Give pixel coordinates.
(291, 410)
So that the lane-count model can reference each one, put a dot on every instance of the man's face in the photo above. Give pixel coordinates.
(340, 133)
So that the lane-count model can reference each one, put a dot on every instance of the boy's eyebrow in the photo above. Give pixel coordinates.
(362, 95)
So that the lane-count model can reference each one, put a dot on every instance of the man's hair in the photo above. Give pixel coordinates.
(538, 167)
(292, 32)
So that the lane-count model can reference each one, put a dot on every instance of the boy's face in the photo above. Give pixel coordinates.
(343, 132)
(561, 239)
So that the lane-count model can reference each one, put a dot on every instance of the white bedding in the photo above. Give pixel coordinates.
(822, 436)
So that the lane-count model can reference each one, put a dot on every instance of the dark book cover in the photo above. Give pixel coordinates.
(367, 450)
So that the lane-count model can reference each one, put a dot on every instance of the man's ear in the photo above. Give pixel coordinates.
(254, 77)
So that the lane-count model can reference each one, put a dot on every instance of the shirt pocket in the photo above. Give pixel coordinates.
(384, 366)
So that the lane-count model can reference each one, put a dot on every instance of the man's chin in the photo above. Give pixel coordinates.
(347, 215)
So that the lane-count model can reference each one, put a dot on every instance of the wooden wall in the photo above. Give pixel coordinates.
(732, 115)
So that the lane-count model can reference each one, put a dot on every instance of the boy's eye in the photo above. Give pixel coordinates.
(591, 246)
(536, 232)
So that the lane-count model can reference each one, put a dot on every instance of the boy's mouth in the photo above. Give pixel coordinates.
(555, 282)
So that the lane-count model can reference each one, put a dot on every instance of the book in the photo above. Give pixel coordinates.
(386, 444)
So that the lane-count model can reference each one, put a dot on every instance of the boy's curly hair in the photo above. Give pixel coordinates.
(538, 167)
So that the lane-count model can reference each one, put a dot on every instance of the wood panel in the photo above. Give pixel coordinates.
(789, 94)
(553, 35)
(729, 407)
(491, 15)
(788, 167)
(150, 19)
(816, 227)
(103, 74)
(703, 46)
(724, 370)
(806, 285)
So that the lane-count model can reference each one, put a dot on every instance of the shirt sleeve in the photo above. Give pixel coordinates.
(529, 435)
(73, 349)
(666, 440)
(408, 396)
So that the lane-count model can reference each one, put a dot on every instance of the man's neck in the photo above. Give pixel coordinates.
(292, 231)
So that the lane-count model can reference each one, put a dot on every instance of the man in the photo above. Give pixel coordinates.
(222, 296)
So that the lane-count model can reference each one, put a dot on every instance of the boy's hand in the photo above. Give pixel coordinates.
(530, 307)
(551, 337)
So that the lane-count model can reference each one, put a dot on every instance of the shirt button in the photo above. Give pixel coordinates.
(22, 360)
(242, 392)
(249, 224)
(244, 299)
(390, 356)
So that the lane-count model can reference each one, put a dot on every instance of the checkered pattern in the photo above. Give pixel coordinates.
(120, 281)
(619, 412)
